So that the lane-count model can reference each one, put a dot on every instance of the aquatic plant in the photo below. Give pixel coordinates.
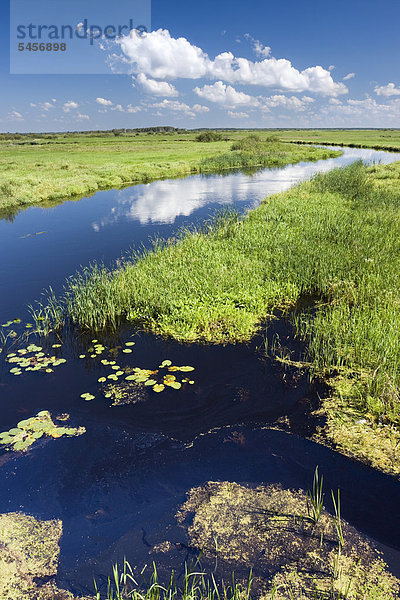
(29, 554)
(28, 431)
(156, 379)
(315, 498)
(196, 584)
(32, 358)
(262, 527)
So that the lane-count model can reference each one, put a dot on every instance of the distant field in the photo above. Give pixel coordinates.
(49, 167)
(381, 139)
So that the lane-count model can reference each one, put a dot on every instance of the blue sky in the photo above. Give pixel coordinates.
(219, 64)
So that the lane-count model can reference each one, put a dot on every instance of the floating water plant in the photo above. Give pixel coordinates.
(127, 391)
(86, 396)
(20, 438)
(32, 358)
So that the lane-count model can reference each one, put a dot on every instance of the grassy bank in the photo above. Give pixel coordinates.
(53, 167)
(334, 239)
(379, 139)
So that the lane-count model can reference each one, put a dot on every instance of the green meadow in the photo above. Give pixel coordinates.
(379, 139)
(49, 167)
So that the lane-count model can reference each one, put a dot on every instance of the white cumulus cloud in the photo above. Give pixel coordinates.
(180, 107)
(14, 115)
(103, 102)
(160, 56)
(226, 95)
(157, 88)
(287, 102)
(237, 115)
(200, 108)
(47, 105)
(259, 48)
(133, 109)
(387, 90)
(70, 105)
(349, 76)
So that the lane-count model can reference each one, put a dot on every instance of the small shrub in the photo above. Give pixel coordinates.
(209, 136)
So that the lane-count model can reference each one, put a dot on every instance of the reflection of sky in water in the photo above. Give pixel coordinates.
(163, 201)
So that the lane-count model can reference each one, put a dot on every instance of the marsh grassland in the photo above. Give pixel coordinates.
(333, 240)
(53, 167)
(324, 255)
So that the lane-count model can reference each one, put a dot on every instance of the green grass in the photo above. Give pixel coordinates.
(334, 239)
(379, 139)
(55, 167)
(195, 585)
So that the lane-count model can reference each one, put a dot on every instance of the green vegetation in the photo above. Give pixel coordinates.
(264, 531)
(379, 139)
(131, 390)
(29, 553)
(196, 585)
(28, 431)
(334, 239)
(253, 151)
(32, 358)
(47, 168)
(209, 136)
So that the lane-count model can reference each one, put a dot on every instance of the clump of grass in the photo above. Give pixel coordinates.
(195, 585)
(352, 182)
(254, 143)
(315, 499)
(255, 151)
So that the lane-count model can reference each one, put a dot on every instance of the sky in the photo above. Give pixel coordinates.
(297, 63)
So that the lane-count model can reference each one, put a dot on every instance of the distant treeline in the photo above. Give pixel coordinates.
(348, 145)
(97, 133)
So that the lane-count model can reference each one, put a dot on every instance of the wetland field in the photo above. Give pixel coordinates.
(200, 365)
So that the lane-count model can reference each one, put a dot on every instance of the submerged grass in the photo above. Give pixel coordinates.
(334, 239)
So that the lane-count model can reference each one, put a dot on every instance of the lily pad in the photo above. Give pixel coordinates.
(29, 430)
(86, 396)
(158, 387)
(165, 363)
